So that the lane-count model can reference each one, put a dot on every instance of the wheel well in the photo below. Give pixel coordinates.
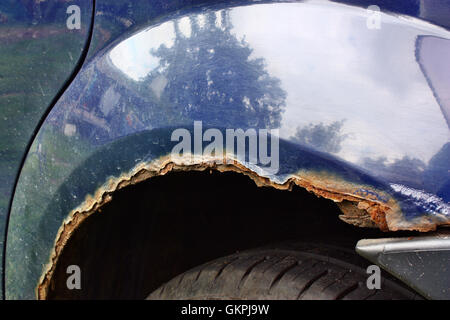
(151, 231)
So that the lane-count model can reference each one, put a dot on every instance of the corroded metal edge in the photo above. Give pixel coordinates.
(361, 205)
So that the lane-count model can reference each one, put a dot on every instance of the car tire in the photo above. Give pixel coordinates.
(310, 273)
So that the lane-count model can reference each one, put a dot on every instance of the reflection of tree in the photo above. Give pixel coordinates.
(327, 138)
(405, 170)
(437, 174)
(434, 177)
(210, 76)
(413, 172)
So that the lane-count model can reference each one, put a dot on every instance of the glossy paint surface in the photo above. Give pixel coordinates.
(37, 56)
(350, 102)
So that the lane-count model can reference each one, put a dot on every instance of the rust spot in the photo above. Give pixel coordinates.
(354, 215)
(369, 211)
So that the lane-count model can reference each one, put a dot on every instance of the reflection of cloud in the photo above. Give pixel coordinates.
(334, 67)
(185, 26)
(133, 56)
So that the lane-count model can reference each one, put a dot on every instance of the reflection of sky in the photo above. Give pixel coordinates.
(133, 55)
(332, 67)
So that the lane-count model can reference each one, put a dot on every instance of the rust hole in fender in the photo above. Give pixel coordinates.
(145, 231)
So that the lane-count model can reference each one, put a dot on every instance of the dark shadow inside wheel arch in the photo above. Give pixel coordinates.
(154, 230)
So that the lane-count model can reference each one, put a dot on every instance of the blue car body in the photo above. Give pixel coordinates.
(356, 92)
